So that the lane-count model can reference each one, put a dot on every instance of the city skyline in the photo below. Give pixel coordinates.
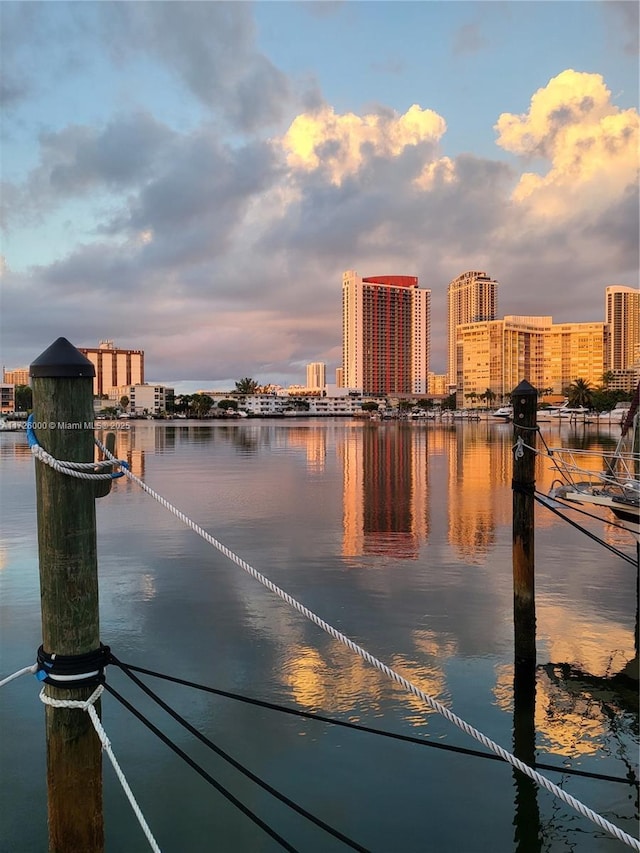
(192, 180)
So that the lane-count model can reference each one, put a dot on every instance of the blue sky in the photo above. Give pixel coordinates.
(192, 178)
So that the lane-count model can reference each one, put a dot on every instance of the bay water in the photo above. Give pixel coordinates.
(399, 536)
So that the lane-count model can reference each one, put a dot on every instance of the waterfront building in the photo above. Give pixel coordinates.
(114, 367)
(339, 377)
(316, 375)
(438, 385)
(7, 398)
(149, 399)
(497, 355)
(143, 399)
(471, 298)
(622, 316)
(19, 376)
(385, 334)
(575, 351)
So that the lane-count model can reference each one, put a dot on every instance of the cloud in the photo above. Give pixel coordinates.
(591, 144)
(341, 144)
(211, 48)
(222, 255)
(625, 16)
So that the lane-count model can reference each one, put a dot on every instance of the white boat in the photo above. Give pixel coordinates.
(601, 479)
(616, 415)
(567, 411)
(503, 412)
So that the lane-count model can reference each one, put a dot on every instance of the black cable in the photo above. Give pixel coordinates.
(206, 776)
(572, 506)
(544, 501)
(296, 712)
(236, 764)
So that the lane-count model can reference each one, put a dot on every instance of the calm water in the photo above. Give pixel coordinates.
(400, 537)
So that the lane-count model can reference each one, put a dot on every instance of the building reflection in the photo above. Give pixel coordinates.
(477, 500)
(313, 441)
(388, 501)
(16, 448)
(385, 491)
(131, 446)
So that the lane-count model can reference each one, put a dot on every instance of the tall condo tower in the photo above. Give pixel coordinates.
(622, 316)
(471, 298)
(316, 375)
(385, 334)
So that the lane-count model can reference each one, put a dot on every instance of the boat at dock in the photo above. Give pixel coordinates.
(505, 412)
(609, 480)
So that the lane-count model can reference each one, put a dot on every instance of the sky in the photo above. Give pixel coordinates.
(192, 178)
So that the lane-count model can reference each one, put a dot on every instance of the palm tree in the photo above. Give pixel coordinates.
(489, 396)
(246, 386)
(580, 393)
(607, 377)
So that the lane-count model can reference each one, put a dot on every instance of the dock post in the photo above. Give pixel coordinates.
(62, 382)
(524, 401)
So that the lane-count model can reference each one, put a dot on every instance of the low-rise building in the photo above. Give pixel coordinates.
(144, 399)
(7, 398)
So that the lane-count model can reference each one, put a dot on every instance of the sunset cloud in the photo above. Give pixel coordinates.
(591, 144)
(340, 144)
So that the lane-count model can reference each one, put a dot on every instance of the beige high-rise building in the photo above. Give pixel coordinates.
(471, 298)
(115, 367)
(497, 355)
(316, 375)
(19, 376)
(622, 316)
(385, 334)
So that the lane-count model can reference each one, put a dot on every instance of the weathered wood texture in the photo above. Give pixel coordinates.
(69, 603)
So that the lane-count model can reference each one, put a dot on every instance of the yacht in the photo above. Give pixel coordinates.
(504, 412)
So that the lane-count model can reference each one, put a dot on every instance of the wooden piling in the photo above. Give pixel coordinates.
(62, 382)
(524, 400)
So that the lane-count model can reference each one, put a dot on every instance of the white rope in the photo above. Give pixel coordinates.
(27, 670)
(88, 706)
(432, 703)
(80, 470)
(519, 448)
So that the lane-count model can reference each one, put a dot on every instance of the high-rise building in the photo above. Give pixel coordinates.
(19, 376)
(316, 375)
(471, 298)
(385, 334)
(622, 316)
(115, 367)
(498, 354)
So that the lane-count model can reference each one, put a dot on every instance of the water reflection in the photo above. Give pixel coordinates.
(375, 527)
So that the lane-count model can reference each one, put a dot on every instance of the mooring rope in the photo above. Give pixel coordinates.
(88, 706)
(432, 703)
(79, 470)
(26, 670)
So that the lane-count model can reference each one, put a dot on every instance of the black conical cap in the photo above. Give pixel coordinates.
(61, 359)
(524, 388)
